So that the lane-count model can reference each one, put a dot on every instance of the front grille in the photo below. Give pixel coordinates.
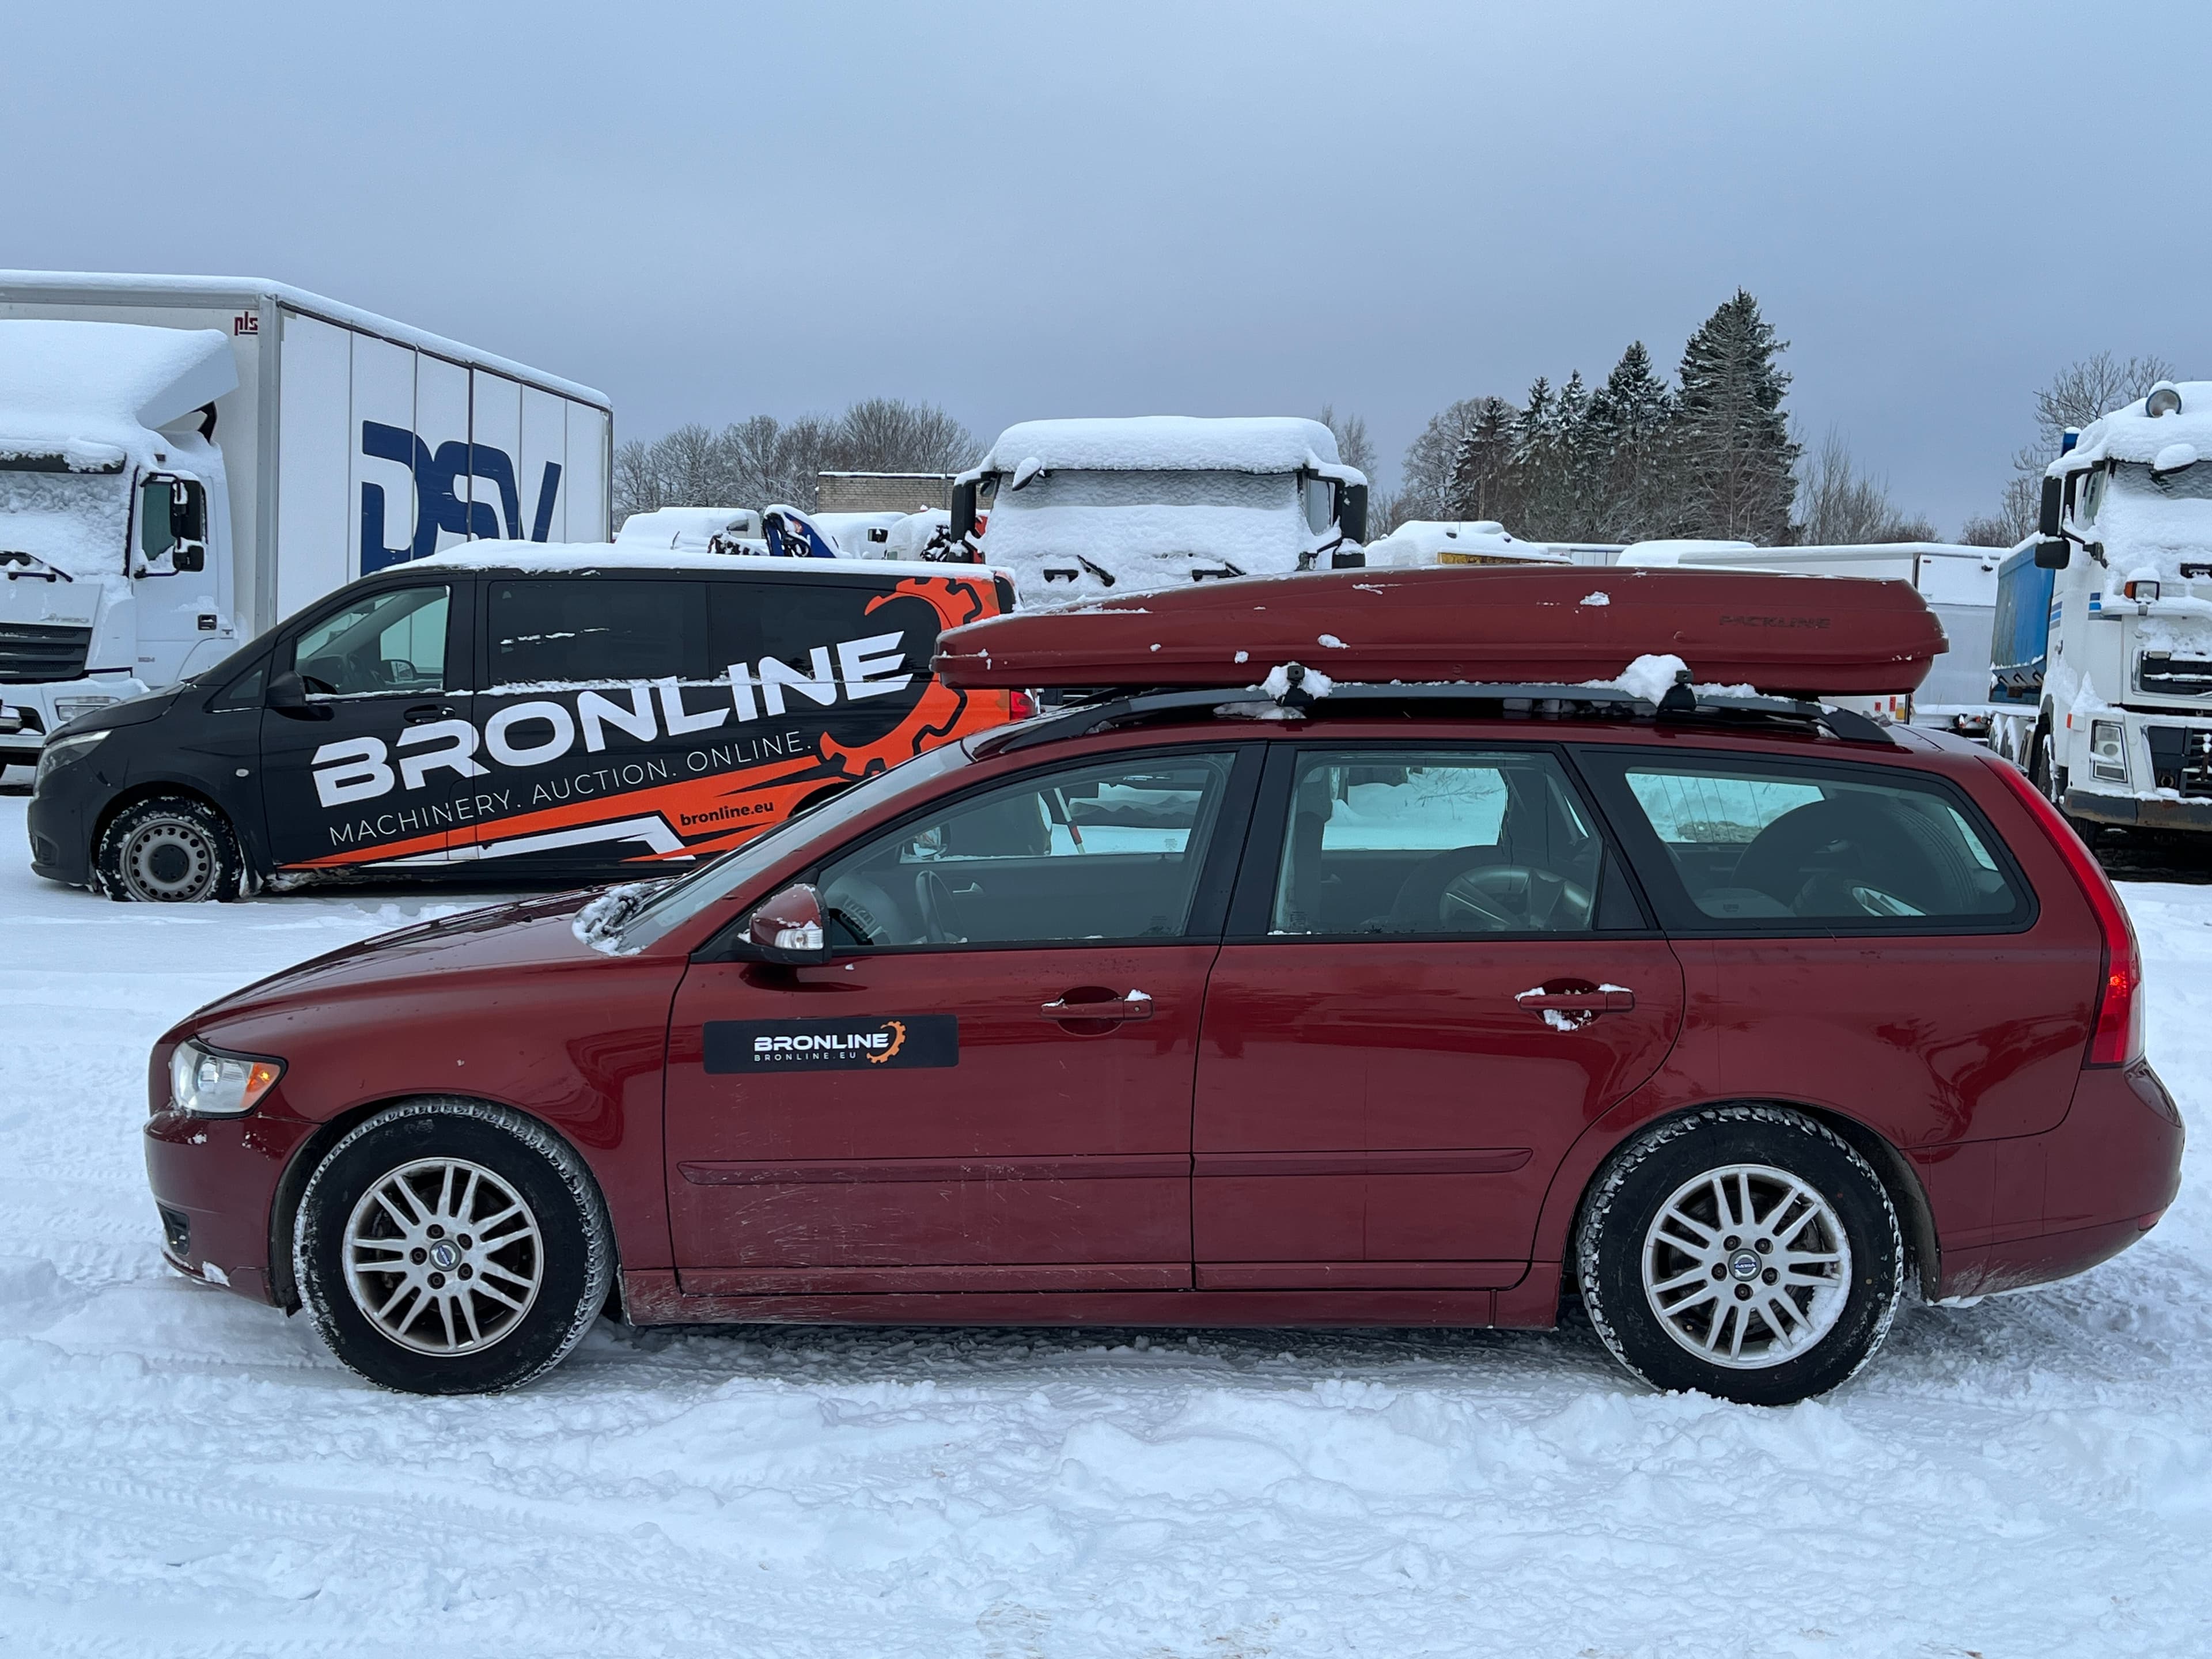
(2181, 758)
(31, 653)
(2162, 674)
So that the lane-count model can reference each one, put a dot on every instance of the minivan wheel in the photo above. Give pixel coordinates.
(450, 1246)
(171, 850)
(1744, 1251)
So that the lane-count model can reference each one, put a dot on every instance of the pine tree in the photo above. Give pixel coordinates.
(1630, 418)
(1483, 483)
(1733, 439)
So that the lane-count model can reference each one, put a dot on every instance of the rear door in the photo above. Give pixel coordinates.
(379, 766)
(1437, 975)
(989, 1088)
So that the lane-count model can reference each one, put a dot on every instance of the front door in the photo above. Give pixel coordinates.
(1437, 978)
(990, 1087)
(381, 764)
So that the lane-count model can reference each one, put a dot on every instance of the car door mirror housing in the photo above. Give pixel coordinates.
(787, 926)
(287, 695)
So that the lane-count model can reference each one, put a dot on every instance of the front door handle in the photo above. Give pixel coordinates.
(1135, 1005)
(423, 713)
(1604, 1000)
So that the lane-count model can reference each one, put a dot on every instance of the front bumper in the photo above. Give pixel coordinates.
(215, 1181)
(2137, 811)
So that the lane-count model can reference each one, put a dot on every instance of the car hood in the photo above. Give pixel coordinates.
(525, 933)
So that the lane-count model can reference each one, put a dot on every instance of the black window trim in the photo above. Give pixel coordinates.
(1679, 915)
(1209, 901)
(1253, 906)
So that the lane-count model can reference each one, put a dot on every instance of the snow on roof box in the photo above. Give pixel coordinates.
(1166, 443)
(1788, 635)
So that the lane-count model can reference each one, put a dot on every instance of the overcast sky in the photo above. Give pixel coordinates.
(1204, 208)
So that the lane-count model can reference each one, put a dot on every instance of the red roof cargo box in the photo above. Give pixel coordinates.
(1786, 636)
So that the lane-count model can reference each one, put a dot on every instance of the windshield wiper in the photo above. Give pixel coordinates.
(45, 572)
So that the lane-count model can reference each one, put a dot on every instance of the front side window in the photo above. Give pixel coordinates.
(1437, 844)
(596, 630)
(389, 644)
(1106, 852)
(1773, 847)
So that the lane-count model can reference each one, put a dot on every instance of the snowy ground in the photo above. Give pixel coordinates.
(181, 1473)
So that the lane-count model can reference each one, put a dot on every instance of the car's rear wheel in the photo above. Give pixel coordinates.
(1744, 1251)
(450, 1246)
(169, 849)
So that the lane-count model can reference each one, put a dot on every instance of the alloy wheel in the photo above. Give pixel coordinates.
(443, 1256)
(1746, 1265)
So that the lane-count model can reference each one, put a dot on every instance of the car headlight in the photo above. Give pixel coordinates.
(208, 1084)
(62, 752)
(2108, 750)
(68, 708)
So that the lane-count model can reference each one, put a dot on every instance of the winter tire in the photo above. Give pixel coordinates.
(450, 1246)
(172, 849)
(1744, 1251)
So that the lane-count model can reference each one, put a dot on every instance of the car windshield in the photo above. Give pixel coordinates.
(624, 928)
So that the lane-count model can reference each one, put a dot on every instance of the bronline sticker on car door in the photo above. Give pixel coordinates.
(648, 716)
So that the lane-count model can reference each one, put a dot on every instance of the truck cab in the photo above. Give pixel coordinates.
(1079, 508)
(2120, 726)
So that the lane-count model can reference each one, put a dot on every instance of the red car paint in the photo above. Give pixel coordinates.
(1379, 1132)
(1810, 636)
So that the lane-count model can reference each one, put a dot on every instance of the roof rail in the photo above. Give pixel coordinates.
(1108, 712)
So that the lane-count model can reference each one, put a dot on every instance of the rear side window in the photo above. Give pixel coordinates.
(593, 630)
(1773, 848)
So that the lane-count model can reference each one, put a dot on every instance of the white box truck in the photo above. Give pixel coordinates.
(185, 460)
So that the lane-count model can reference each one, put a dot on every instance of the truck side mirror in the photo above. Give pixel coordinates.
(2053, 553)
(964, 509)
(188, 511)
(787, 926)
(2047, 518)
(1352, 512)
(287, 695)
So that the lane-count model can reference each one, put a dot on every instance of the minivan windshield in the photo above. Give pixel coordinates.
(625, 929)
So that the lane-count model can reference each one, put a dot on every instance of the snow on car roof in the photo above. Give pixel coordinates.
(104, 383)
(2133, 434)
(1269, 443)
(571, 558)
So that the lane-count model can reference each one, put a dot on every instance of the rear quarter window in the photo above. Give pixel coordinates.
(1742, 844)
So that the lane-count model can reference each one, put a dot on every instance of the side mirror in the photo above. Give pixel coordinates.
(188, 511)
(189, 556)
(963, 510)
(787, 926)
(2053, 553)
(1352, 512)
(2047, 520)
(287, 695)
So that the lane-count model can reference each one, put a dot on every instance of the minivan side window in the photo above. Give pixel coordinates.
(1106, 852)
(1439, 844)
(595, 630)
(385, 644)
(1848, 847)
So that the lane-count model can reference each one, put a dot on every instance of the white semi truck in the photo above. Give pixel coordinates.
(2102, 666)
(185, 460)
(1075, 508)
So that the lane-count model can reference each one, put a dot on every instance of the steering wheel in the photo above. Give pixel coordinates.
(1512, 898)
(934, 900)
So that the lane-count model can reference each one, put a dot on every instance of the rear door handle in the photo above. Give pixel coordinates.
(1135, 1005)
(1606, 999)
(423, 713)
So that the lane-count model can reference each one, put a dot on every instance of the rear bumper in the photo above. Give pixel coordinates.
(2060, 1203)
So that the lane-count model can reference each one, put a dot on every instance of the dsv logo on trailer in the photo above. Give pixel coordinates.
(541, 731)
(438, 504)
(754, 1045)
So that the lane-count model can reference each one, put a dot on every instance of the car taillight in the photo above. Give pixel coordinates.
(1023, 704)
(2118, 1038)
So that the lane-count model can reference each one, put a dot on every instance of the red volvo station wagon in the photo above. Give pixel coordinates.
(1401, 1004)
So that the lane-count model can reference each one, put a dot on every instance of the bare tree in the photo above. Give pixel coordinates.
(885, 434)
(2083, 391)
(1842, 506)
(1355, 449)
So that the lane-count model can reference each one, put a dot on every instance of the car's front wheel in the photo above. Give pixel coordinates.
(170, 849)
(451, 1247)
(1745, 1251)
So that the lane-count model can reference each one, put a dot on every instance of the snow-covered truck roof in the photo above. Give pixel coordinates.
(1440, 541)
(96, 392)
(126, 288)
(2133, 434)
(1170, 443)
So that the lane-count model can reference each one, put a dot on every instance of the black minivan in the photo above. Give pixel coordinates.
(572, 711)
